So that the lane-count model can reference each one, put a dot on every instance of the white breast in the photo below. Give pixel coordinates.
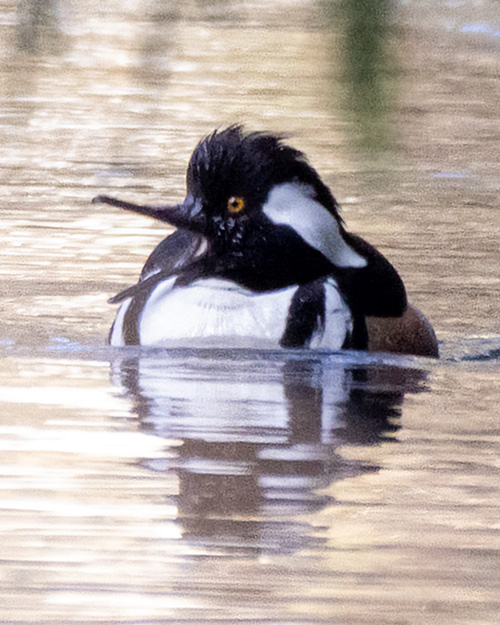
(219, 313)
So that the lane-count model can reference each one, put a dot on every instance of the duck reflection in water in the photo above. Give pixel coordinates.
(254, 438)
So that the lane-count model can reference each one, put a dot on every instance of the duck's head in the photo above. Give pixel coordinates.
(262, 208)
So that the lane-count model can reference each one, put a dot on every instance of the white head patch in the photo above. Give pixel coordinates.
(291, 204)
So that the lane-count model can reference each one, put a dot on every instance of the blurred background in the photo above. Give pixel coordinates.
(394, 102)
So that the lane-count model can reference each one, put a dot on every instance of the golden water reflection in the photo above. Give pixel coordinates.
(298, 493)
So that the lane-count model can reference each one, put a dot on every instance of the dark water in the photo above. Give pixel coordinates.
(247, 487)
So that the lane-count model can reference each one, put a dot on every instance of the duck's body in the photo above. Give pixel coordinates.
(260, 258)
(210, 312)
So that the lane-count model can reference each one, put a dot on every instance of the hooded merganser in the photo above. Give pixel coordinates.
(261, 257)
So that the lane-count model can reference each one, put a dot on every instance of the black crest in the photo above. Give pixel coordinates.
(233, 162)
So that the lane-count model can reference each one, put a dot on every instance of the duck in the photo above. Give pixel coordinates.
(261, 258)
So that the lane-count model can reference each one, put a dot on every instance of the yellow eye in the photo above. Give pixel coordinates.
(235, 204)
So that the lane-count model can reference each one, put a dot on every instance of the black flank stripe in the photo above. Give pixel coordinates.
(140, 293)
(359, 337)
(131, 319)
(305, 315)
